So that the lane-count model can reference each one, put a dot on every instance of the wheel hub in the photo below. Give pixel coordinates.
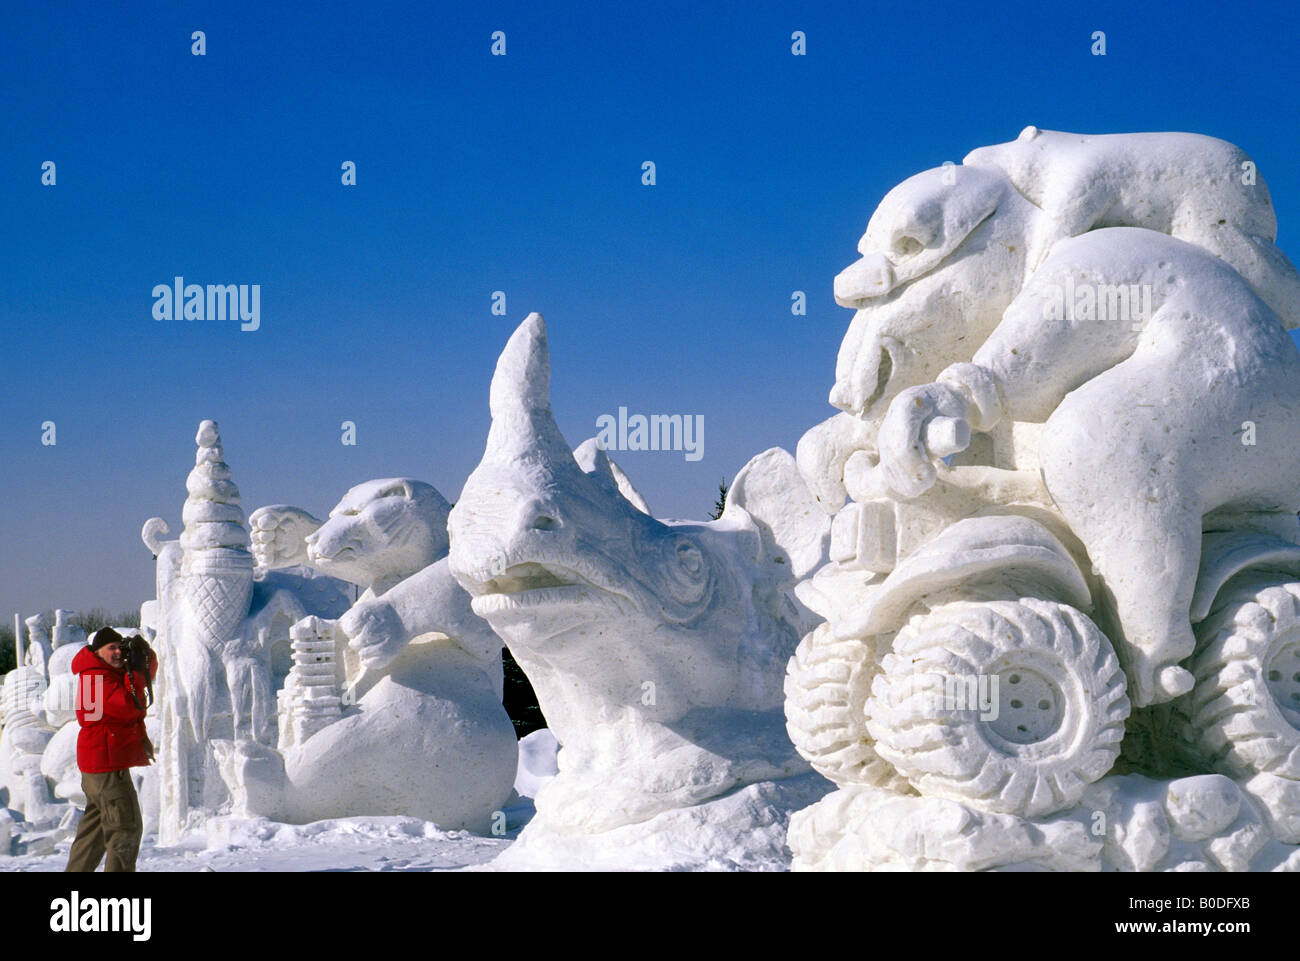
(1031, 708)
(1282, 674)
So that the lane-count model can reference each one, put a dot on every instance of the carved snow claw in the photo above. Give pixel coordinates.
(924, 424)
(279, 535)
(375, 631)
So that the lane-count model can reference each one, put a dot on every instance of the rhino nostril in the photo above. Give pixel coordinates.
(539, 514)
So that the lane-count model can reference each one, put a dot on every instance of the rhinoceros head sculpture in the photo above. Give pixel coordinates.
(604, 607)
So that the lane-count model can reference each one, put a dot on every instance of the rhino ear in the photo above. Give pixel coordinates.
(795, 529)
(593, 460)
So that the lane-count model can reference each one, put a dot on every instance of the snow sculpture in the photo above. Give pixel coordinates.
(1070, 489)
(395, 706)
(388, 537)
(310, 697)
(38, 704)
(24, 740)
(655, 648)
(215, 662)
(914, 319)
(256, 719)
(217, 585)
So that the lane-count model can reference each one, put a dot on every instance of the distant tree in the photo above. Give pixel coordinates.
(721, 503)
(7, 662)
(519, 701)
(92, 620)
(89, 621)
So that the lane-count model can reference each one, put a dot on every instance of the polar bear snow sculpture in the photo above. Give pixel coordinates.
(1081, 486)
(1196, 188)
(656, 649)
(989, 223)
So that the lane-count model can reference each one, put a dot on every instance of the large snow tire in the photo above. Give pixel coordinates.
(1243, 715)
(1059, 696)
(827, 683)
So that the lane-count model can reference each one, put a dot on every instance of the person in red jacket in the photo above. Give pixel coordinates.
(111, 706)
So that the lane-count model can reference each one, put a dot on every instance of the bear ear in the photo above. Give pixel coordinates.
(1028, 134)
(399, 487)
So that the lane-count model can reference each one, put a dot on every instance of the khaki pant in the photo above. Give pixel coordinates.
(112, 823)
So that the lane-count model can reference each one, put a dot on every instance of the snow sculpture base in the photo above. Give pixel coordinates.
(744, 830)
(1124, 823)
(712, 791)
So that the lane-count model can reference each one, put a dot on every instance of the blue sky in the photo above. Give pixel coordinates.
(478, 173)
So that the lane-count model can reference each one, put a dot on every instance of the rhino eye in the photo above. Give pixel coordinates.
(689, 557)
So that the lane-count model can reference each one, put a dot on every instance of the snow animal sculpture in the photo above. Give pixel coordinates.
(656, 649)
(378, 536)
(1149, 439)
(428, 736)
(947, 250)
(977, 573)
(1196, 188)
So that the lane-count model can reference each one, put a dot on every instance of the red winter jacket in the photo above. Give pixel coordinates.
(112, 735)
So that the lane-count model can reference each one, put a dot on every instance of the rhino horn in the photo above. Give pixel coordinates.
(520, 400)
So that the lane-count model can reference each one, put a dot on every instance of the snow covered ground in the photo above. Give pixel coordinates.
(341, 844)
(345, 844)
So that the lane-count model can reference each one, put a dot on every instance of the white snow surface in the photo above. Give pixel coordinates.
(390, 843)
(343, 844)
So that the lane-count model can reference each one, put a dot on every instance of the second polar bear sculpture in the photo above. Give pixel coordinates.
(423, 732)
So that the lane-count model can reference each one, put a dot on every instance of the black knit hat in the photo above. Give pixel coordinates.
(105, 635)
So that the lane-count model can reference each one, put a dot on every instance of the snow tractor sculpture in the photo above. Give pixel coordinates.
(1090, 512)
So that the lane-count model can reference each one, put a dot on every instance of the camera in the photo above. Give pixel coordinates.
(135, 661)
(135, 654)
